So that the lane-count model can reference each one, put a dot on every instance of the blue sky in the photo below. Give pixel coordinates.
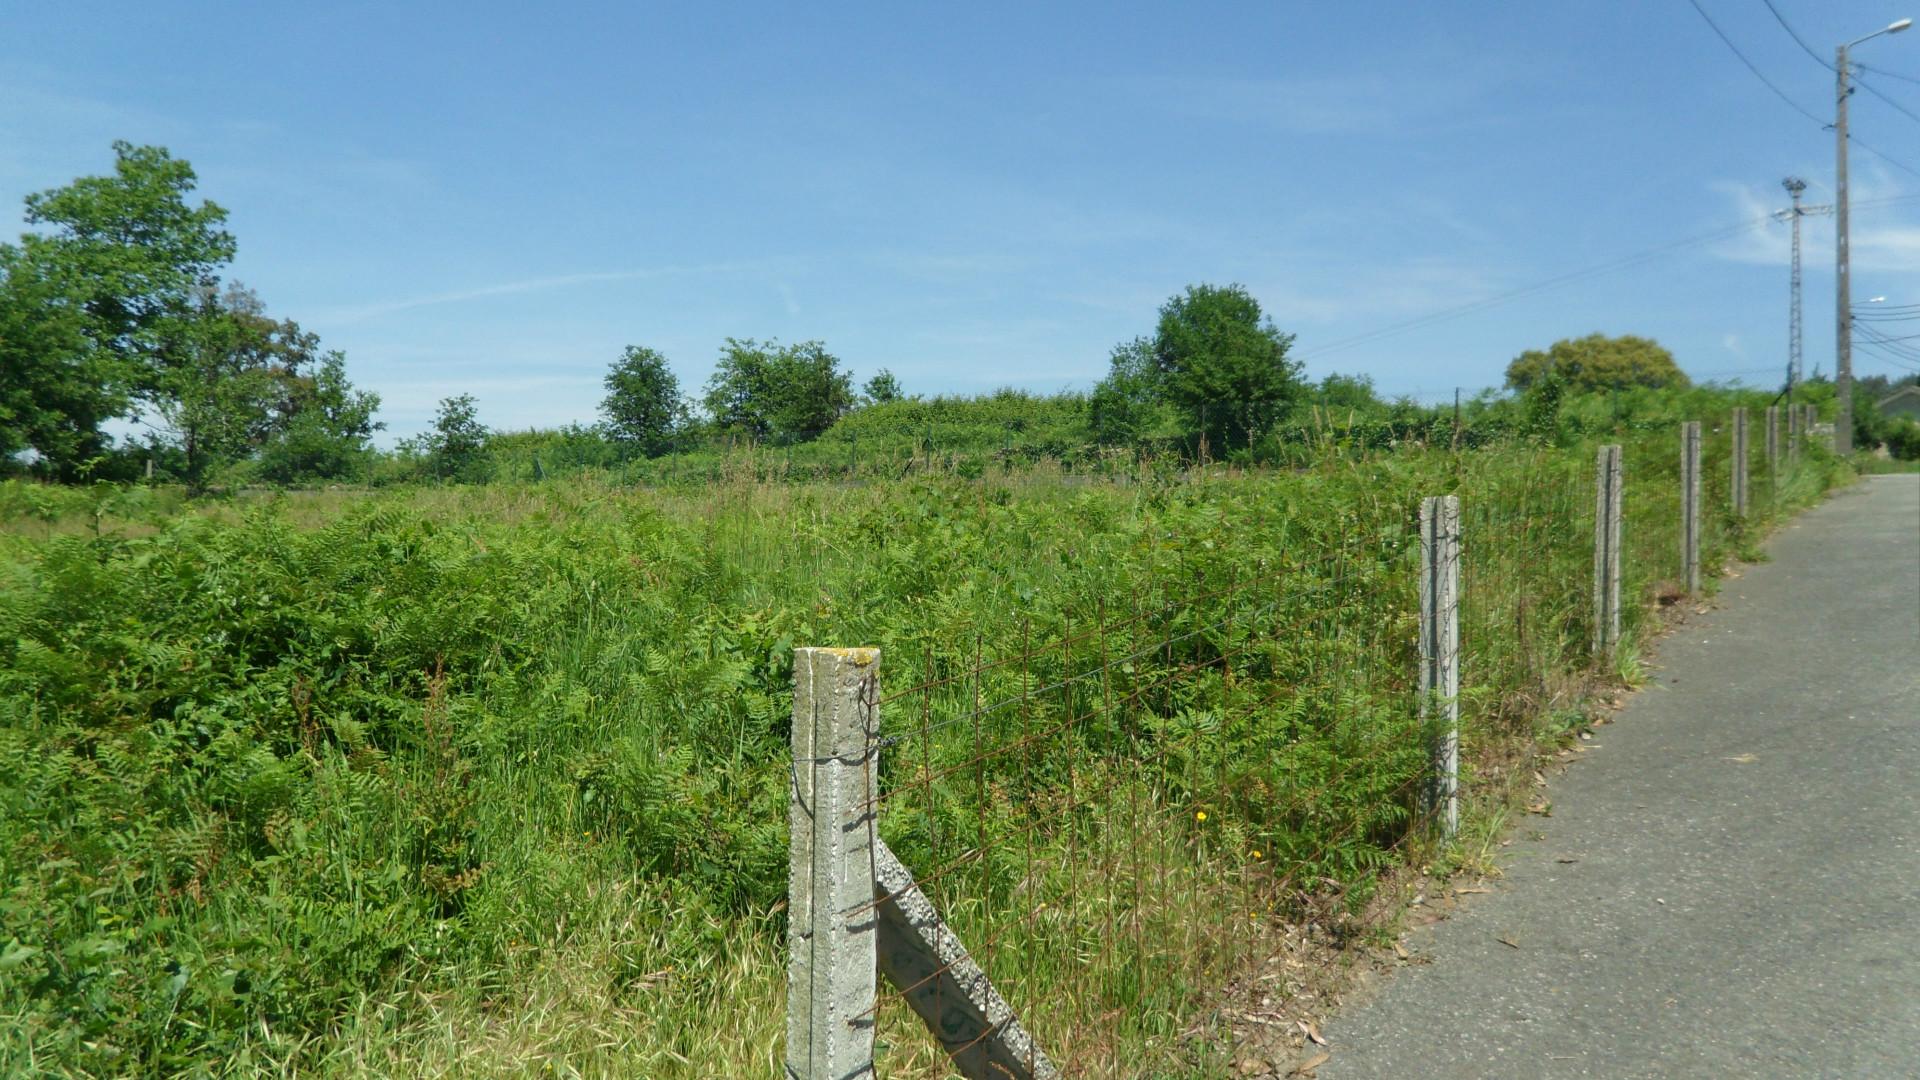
(496, 198)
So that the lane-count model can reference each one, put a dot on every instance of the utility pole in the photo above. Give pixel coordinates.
(1792, 215)
(1843, 298)
(1843, 288)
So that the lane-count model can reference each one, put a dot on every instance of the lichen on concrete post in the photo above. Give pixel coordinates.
(831, 938)
(1440, 655)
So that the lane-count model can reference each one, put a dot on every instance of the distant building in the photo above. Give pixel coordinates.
(1904, 402)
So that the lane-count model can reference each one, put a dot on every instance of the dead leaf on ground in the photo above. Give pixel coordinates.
(1306, 1067)
(1472, 889)
(1400, 950)
(1541, 807)
(1311, 1032)
(1508, 942)
(1743, 759)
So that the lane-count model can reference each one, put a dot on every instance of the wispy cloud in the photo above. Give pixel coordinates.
(365, 312)
(1352, 103)
(1883, 239)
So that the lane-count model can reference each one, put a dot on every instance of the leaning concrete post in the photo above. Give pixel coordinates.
(1606, 553)
(942, 984)
(1740, 463)
(830, 876)
(1440, 653)
(1690, 504)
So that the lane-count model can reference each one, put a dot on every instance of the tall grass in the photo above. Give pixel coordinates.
(470, 781)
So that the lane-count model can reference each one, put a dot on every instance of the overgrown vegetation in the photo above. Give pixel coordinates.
(486, 779)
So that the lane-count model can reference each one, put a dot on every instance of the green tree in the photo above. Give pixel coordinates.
(1223, 366)
(882, 388)
(1599, 362)
(643, 408)
(236, 385)
(89, 305)
(456, 446)
(1348, 392)
(774, 391)
(324, 435)
(56, 389)
(1128, 405)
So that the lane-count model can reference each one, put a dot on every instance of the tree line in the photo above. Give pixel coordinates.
(114, 309)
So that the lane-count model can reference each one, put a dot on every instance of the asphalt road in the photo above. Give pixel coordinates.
(1729, 883)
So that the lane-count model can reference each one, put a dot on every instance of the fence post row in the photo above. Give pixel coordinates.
(1740, 463)
(1690, 505)
(1440, 652)
(1606, 552)
(830, 856)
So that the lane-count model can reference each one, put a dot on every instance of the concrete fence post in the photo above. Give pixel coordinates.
(831, 939)
(1440, 654)
(1606, 553)
(1773, 445)
(1796, 423)
(1690, 504)
(1740, 463)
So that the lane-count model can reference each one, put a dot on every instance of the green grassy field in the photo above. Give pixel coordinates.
(491, 780)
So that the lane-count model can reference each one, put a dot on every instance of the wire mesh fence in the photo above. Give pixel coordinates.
(1119, 816)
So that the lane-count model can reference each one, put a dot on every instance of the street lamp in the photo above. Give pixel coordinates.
(1843, 301)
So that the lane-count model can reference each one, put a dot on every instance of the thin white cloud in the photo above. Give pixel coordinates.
(364, 312)
(1883, 240)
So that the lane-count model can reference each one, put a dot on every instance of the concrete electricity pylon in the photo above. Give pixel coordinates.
(1793, 214)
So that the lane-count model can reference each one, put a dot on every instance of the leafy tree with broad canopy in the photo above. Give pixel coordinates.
(643, 408)
(115, 309)
(1598, 362)
(789, 393)
(1214, 359)
(89, 307)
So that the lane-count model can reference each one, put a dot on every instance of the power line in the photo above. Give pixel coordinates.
(1797, 39)
(1794, 105)
(1538, 286)
(1757, 73)
(1622, 263)
(1892, 354)
(1874, 351)
(1871, 89)
(1828, 65)
(1885, 74)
